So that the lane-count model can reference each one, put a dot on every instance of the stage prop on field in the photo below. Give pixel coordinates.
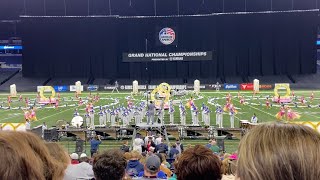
(13, 127)
(161, 96)
(256, 86)
(78, 87)
(47, 100)
(285, 98)
(196, 87)
(135, 87)
(13, 90)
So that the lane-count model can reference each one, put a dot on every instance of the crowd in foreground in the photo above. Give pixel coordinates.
(268, 152)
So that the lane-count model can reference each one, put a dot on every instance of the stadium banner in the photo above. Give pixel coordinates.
(246, 86)
(61, 88)
(151, 87)
(167, 56)
(231, 86)
(45, 89)
(73, 88)
(93, 88)
(266, 86)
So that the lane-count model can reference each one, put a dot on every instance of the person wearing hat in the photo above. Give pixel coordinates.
(151, 168)
(83, 170)
(74, 158)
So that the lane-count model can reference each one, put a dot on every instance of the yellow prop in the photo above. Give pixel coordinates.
(282, 86)
(47, 88)
(163, 90)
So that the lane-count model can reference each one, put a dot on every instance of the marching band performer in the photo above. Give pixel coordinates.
(291, 115)
(76, 113)
(26, 114)
(113, 117)
(108, 113)
(220, 117)
(137, 116)
(104, 117)
(231, 113)
(101, 117)
(281, 113)
(267, 103)
(207, 116)
(91, 114)
(312, 96)
(195, 120)
(171, 113)
(242, 100)
(183, 116)
(33, 115)
(203, 108)
(87, 116)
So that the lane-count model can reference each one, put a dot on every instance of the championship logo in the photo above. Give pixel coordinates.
(167, 36)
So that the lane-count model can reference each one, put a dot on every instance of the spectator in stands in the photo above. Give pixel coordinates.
(59, 153)
(179, 146)
(279, 151)
(173, 152)
(158, 140)
(134, 167)
(161, 147)
(163, 167)
(198, 163)
(214, 147)
(95, 142)
(209, 144)
(83, 170)
(125, 147)
(109, 165)
(25, 156)
(74, 158)
(138, 143)
(151, 168)
(150, 144)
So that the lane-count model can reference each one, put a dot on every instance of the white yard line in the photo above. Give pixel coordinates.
(56, 114)
(307, 114)
(272, 115)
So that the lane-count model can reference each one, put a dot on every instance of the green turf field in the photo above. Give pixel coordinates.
(253, 104)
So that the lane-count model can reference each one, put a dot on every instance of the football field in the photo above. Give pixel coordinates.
(310, 111)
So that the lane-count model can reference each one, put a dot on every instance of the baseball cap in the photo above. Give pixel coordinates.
(74, 156)
(83, 155)
(153, 163)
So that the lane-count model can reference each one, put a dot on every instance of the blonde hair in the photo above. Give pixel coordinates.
(24, 156)
(58, 152)
(279, 151)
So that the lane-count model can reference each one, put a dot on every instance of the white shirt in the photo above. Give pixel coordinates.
(254, 119)
(28, 126)
(79, 171)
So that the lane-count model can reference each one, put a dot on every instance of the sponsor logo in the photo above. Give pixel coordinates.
(93, 88)
(231, 86)
(73, 88)
(167, 36)
(60, 88)
(246, 87)
(265, 86)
